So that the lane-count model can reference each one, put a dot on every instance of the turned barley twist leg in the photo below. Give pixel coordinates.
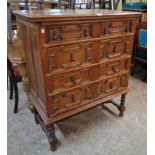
(50, 130)
(122, 105)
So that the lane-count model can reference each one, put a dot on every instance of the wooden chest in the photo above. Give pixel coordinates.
(76, 60)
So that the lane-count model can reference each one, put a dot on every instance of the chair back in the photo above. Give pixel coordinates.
(141, 41)
(141, 36)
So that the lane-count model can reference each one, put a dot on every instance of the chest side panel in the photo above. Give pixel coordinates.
(30, 37)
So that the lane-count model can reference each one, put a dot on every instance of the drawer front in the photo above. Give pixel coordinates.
(73, 32)
(116, 28)
(69, 56)
(69, 32)
(68, 100)
(60, 82)
(65, 80)
(114, 48)
(115, 84)
(114, 67)
(110, 85)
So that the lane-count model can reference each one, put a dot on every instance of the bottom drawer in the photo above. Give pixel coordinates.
(71, 99)
(112, 85)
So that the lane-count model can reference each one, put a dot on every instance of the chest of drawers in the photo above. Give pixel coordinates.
(76, 59)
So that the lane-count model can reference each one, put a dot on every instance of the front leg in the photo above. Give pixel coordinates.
(48, 129)
(50, 132)
(121, 108)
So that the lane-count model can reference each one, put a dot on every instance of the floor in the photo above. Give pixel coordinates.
(94, 132)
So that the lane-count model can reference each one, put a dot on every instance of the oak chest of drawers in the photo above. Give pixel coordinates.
(76, 59)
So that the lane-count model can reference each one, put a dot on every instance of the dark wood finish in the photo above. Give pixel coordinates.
(48, 129)
(76, 60)
(120, 107)
(14, 79)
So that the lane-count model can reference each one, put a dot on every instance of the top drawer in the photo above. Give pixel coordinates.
(73, 32)
(69, 32)
(115, 28)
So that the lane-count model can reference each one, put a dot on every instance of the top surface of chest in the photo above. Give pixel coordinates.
(57, 14)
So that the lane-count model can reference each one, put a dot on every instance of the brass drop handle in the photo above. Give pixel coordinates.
(111, 85)
(114, 49)
(55, 36)
(72, 79)
(105, 31)
(115, 69)
(73, 98)
(86, 33)
(72, 57)
(127, 28)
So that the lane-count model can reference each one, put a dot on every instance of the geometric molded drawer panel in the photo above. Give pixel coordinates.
(64, 101)
(114, 67)
(113, 84)
(69, 56)
(116, 28)
(62, 81)
(116, 47)
(69, 32)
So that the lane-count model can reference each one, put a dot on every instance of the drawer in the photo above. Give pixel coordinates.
(69, 56)
(74, 98)
(116, 47)
(116, 28)
(60, 82)
(114, 67)
(111, 85)
(74, 32)
(70, 32)
(71, 99)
